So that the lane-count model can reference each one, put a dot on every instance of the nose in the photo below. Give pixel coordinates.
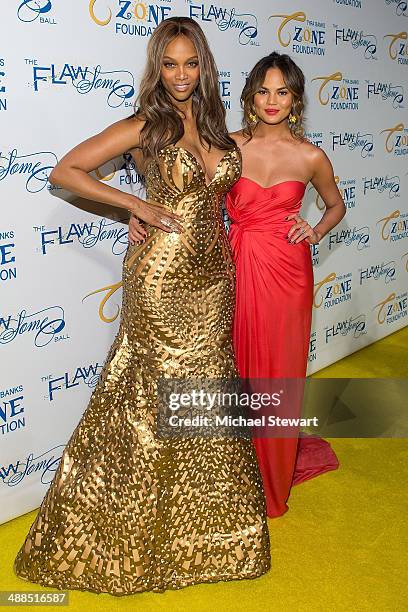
(181, 74)
(272, 97)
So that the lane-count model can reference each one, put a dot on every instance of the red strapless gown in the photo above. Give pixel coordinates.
(274, 293)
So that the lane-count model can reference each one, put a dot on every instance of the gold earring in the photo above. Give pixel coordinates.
(252, 117)
(292, 118)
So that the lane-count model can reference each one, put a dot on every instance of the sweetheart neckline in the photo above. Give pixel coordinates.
(246, 178)
(178, 147)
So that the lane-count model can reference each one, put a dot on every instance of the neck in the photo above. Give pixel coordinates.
(273, 132)
(185, 108)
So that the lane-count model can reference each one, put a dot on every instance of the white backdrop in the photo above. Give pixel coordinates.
(67, 70)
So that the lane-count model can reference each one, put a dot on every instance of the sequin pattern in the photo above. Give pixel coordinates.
(128, 511)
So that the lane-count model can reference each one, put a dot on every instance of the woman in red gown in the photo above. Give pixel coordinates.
(270, 242)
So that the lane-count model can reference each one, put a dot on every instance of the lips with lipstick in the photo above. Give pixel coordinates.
(182, 87)
(272, 111)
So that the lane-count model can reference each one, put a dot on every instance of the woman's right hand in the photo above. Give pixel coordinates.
(157, 215)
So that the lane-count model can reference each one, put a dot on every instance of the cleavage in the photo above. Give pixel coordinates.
(200, 161)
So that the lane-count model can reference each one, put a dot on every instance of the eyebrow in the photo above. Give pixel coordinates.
(167, 57)
(278, 89)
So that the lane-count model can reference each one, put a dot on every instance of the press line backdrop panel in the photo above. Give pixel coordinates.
(69, 69)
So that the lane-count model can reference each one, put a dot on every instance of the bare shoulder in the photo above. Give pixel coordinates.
(313, 154)
(125, 130)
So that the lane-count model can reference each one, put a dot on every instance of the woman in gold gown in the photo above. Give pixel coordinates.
(127, 510)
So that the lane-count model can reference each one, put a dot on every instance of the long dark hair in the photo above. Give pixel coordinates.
(294, 80)
(163, 124)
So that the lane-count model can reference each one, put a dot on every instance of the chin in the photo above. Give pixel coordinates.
(273, 120)
(181, 96)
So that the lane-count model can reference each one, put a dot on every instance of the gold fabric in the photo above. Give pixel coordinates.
(127, 511)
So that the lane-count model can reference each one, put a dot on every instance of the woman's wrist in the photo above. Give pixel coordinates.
(133, 204)
(319, 232)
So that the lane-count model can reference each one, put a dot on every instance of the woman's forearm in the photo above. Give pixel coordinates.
(82, 184)
(331, 217)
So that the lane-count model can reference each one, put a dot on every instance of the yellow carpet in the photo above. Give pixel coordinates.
(341, 547)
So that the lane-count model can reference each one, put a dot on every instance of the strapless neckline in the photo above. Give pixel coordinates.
(194, 158)
(246, 178)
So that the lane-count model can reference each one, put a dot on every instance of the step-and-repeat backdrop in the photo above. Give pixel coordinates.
(67, 70)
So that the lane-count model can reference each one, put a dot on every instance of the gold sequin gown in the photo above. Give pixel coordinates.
(128, 512)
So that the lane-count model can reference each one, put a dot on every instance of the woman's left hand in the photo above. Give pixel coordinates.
(137, 233)
(301, 230)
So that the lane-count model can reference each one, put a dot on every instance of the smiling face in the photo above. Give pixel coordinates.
(273, 101)
(180, 70)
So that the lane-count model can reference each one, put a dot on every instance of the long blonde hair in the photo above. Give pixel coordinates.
(163, 124)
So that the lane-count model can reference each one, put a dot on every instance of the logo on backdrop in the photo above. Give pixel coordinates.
(394, 94)
(398, 47)
(226, 19)
(394, 227)
(363, 43)
(383, 184)
(45, 464)
(35, 168)
(312, 356)
(341, 92)
(354, 141)
(87, 235)
(396, 139)
(315, 138)
(333, 290)
(8, 270)
(3, 98)
(393, 308)
(306, 36)
(359, 237)
(224, 84)
(129, 17)
(43, 326)
(36, 10)
(11, 409)
(84, 375)
(125, 170)
(117, 85)
(314, 251)
(353, 327)
(349, 3)
(109, 291)
(400, 7)
(385, 271)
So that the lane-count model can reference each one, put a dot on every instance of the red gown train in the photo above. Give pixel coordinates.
(274, 293)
